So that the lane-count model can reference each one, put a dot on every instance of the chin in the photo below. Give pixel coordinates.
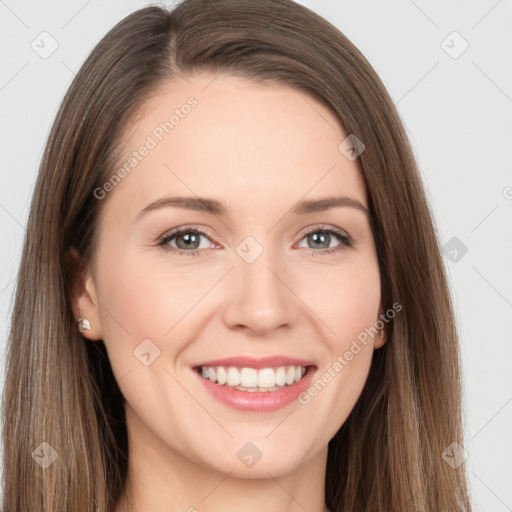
(258, 459)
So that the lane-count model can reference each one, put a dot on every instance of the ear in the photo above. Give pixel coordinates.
(83, 297)
(382, 336)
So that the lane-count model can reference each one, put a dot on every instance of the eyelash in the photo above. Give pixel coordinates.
(346, 240)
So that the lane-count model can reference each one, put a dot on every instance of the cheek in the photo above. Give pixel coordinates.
(141, 302)
(346, 361)
(349, 310)
(144, 297)
(348, 304)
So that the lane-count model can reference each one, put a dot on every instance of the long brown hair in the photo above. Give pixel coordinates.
(60, 390)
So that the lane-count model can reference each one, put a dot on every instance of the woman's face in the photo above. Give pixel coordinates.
(251, 285)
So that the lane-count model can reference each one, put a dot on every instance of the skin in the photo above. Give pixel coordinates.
(259, 148)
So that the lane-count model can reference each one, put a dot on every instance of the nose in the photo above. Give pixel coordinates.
(260, 298)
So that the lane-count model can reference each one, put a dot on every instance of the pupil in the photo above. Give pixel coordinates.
(324, 236)
(188, 239)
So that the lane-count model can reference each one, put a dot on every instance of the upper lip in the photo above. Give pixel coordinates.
(257, 362)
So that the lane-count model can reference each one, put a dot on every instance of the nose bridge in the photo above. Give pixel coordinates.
(262, 300)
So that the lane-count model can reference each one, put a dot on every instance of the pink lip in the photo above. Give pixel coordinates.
(257, 362)
(258, 401)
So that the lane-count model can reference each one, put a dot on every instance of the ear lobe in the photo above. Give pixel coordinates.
(83, 296)
(381, 338)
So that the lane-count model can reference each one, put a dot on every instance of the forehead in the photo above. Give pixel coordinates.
(249, 144)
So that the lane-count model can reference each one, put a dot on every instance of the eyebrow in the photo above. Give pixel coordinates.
(215, 207)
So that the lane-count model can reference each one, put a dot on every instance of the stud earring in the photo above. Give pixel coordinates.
(83, 324)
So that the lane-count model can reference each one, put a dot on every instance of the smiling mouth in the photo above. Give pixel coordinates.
(252, 379)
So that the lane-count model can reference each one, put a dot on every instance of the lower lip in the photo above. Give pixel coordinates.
(258, 401)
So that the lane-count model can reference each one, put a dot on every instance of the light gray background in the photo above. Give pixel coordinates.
(457, 112)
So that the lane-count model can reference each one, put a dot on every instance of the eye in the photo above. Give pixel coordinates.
(323, 236)
(188, 240)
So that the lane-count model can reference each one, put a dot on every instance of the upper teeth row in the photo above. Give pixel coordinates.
(251, 378)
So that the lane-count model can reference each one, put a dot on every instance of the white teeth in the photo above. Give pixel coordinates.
(280, 376)
(266, 378)
(248, 378)
(251, 379)
(222, 376)
(233, 377)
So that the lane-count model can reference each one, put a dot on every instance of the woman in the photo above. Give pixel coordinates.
(254, 370)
